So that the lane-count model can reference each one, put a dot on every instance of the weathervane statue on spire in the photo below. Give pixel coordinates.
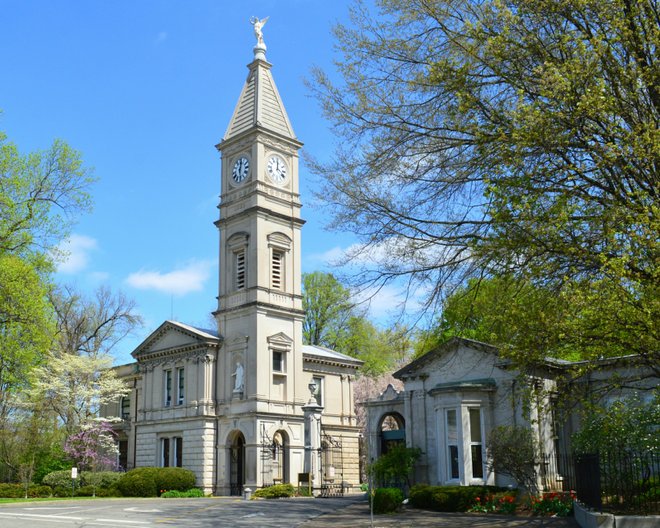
(258, 24)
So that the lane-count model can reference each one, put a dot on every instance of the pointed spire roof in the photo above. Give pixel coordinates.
(260, 104)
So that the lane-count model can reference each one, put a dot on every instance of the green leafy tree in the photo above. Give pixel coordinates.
(511, 313)
(327, 307)
(331, 320)
(40, 195)
(482, 138)
(26, 327)
(629, 425)
(396, 466)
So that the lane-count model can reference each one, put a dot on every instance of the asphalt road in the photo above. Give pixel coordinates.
(347, 512)
(145, 513)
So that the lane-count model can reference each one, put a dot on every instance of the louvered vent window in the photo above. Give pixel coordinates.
(277, 264)
(240, 270)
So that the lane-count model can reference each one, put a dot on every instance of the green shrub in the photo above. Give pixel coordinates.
(111, 491)
(174, 479)
(395, 466)
(100, 479)
(419, 495)
(503, 502)
(174, 494)
(275, 492)
(154, 481)
(85, 491)
(58, 478)
(39, 492)
(62, 491)
(12, 491)
(387, 500)
(450, 498)
(554, 503)
(138, 483)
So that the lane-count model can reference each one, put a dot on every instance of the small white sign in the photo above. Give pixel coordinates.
(74, 473)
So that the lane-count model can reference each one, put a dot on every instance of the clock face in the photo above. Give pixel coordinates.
(241, 169)
(276, 169)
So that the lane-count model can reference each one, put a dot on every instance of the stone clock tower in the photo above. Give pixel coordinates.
(260, 368)
(247, 404)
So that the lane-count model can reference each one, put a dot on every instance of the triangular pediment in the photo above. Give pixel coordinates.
(280, 339)
(429, 361)
(173, 336)
(390, 393)
(259, 105)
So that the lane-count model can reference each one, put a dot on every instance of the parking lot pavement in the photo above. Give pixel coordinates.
(357, 515)
(345, 512)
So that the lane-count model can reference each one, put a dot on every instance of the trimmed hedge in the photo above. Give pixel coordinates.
(275, 492)
(153, 481)
(174, 494)
(138, 483)
(449, 498)
(17, 491)
(101, 479)
(387, 500)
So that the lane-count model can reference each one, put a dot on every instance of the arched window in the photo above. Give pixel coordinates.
(392, 431)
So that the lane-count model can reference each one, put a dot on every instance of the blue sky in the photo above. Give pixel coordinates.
(145, 89)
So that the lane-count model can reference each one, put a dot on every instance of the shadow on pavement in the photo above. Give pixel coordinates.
(357, 514)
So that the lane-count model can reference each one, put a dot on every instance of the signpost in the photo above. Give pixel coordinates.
(74, 476)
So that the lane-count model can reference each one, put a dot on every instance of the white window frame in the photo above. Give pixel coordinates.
(180, 385)
(282, 356)
(459, 451)
(167, 387)
(165, 454)
(177, 443)
(125, 407)
(319, 395)
(481, 443)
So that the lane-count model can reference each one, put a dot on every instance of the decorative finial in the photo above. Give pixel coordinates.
(258, 24)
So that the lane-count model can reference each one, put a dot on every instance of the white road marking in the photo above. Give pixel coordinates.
(141, 510)
(123, 522)
(37, 516)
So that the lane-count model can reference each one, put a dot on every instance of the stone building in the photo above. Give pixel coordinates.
(246, 404)
(456, 394)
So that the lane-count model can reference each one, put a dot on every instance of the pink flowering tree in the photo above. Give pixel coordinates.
(93, 447)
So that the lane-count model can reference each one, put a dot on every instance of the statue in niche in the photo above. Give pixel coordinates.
(258, 24)
(239, 382)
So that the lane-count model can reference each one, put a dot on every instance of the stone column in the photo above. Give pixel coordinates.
(313, 412)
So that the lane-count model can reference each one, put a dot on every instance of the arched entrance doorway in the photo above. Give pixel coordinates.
(392, 431)
(237, 464)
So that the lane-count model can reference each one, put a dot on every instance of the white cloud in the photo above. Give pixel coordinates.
(332, 257)
(75, 252)
(187, 279)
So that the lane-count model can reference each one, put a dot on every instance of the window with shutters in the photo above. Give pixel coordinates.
(240, 269)
(279, 245)
(277, 270)
(237, 268)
